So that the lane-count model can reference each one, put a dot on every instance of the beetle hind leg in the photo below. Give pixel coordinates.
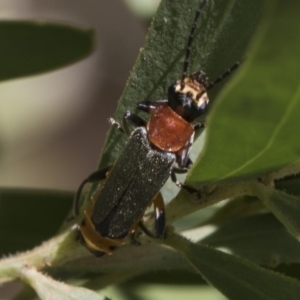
(96, 176)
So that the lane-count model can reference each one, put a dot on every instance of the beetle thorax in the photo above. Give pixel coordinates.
(167, 130)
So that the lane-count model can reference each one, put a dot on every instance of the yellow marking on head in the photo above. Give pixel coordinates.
(192, 88)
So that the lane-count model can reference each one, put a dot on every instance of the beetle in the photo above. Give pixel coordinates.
(153, 150)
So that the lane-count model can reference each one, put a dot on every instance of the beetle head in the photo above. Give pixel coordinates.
(188, 96)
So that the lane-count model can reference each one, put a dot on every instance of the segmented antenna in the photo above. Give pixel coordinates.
(220, 78)
(223, 76)
(190, 40)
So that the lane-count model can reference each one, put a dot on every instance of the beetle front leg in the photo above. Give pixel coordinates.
(148, 106)
(128, 116)
(134, 119)
(199, 126)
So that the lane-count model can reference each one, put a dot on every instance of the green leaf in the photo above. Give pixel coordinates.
(249, 132)
(285, 207)
(235, 278)
(222, 35)
(30, 217)
(239, 207)
(50, 289)
(26, 293)
(29, 48)
(289, 185)
(261, 239)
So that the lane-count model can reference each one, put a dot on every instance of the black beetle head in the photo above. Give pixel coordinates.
(188, 96)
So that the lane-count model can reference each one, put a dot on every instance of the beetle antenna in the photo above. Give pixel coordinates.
(190, 40)
(224, 75)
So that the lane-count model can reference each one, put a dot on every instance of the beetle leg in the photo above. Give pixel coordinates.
(183, 159)
(182, 156)
(128, 116)
(96, 176)
(134, 240)
(134, 119)
(148, 106)
(180, 170)
(160, 218)
(188, 164)
(146, 230)
(199, 126)
(187, 188)
(184, 162)
(160, 215)
(113, 122)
